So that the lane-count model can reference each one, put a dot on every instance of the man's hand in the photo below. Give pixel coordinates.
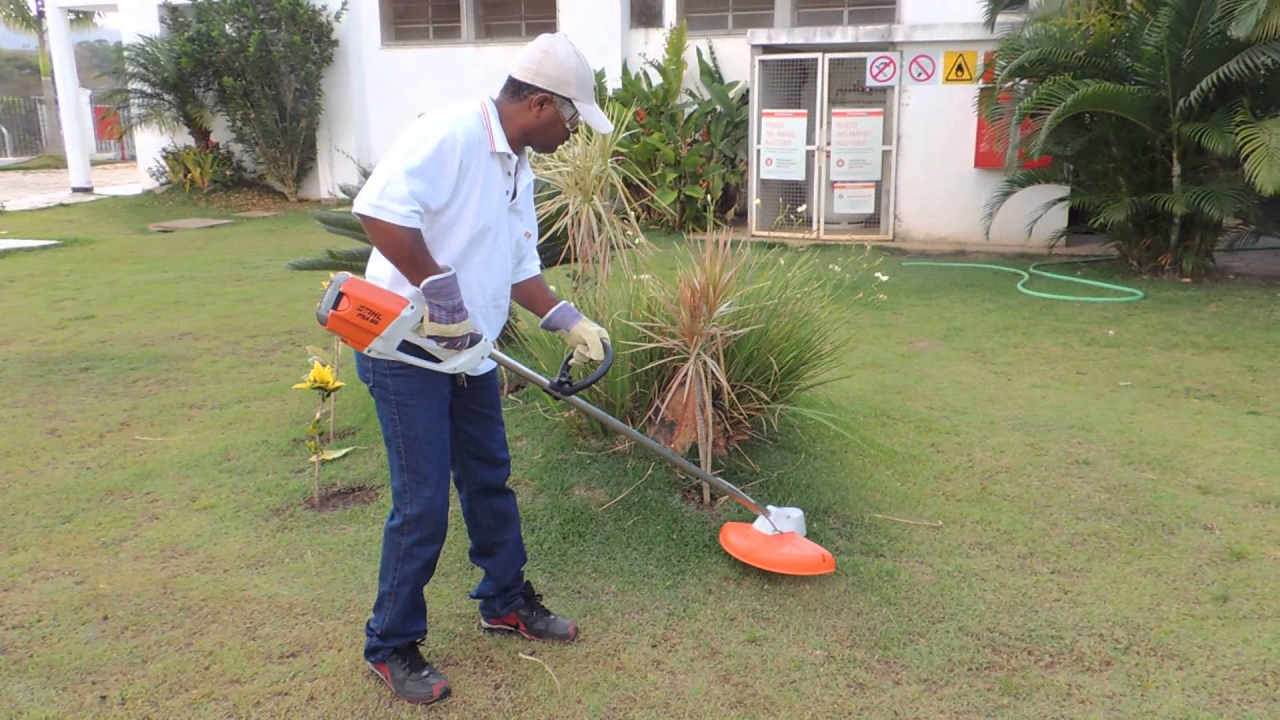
(446, 320)
(585, 337)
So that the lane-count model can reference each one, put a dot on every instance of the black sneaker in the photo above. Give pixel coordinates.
(534, 621)
(410, 677)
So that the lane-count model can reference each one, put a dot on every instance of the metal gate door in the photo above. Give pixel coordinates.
(785, 101)
(859, 127)
(846, 190)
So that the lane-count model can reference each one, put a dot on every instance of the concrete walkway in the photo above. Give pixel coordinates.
(34, 189)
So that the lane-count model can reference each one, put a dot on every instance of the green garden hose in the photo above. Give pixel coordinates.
(1131, 294)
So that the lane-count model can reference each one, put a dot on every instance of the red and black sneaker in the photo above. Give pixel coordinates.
(534, 621)
(410, 677)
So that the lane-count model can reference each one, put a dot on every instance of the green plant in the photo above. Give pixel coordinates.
(323, 379)
(157, 86)
(725, 110)
(724, 350)
(208, 168)
(350, 259)
(587, 196)
(1162, 123)
(690, 148)
(267, 60)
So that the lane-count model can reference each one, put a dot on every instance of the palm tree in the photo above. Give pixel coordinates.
(157, 87)
(1162, 118)
(28, 16)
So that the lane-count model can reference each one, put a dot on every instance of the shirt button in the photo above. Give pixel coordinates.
(508, 174)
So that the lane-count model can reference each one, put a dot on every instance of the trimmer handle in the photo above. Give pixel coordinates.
(564, 385)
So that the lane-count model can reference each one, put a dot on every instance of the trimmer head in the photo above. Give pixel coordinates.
(776, 542)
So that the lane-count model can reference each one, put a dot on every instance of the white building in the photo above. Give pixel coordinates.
(810, 65)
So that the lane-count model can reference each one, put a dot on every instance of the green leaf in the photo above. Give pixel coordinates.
(1217, 135)
(718, 93)
(1098, 97)
(1253, 19)
(665, 195)
(694, 191)
(1260, 152)
(1250, 65)
(1056, 174)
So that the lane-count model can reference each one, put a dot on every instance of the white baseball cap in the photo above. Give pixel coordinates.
(552, 62)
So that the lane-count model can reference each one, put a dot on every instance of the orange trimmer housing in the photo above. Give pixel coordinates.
(357, 311)
(377, 322)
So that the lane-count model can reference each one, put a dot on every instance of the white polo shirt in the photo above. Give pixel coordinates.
(451, 174)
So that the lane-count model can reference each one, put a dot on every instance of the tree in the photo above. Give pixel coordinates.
(268, 59)
(158, 85)
(19, 73)
(1162, 118)
(98, 61)
(28, 16)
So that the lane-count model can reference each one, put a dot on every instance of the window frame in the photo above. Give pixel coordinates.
(468, 35)
(845, 10)
(682, 15)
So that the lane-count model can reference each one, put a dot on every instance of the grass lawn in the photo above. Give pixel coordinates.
(1107, 478)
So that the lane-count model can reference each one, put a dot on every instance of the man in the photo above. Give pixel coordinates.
(449, 211)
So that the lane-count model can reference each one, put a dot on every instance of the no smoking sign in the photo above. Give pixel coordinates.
(922, 69)
(883, 70)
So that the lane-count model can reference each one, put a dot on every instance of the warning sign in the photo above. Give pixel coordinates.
(882, 70)
(961, 67)
(922, 69)
(857, 143)
(782, 144)
(854, 198)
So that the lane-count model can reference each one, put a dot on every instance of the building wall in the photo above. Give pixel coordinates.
(374, 91)
(941, 195)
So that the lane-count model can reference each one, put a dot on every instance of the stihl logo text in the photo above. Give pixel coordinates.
(369, 315)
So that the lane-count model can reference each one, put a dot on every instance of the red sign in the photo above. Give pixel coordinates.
(988, 68)
(106, 123)
(990, 154)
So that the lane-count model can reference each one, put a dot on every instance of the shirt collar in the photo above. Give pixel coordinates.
(493, 125)
(499, 145)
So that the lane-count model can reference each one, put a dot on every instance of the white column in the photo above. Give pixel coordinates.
(67, 81)
(138, 18)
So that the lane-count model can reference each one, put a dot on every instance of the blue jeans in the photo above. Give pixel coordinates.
(436, 425)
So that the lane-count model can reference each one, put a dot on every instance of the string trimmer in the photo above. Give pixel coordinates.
(379, 323)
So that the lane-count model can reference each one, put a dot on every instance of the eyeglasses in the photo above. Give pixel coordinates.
(568, 113)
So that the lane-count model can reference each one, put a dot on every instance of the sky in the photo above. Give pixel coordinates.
(10, 40)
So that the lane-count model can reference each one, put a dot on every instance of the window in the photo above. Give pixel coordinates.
(646, 13)
(704, 15)
(418, 21)
(845, 12)
(421, 20)
(515, 18)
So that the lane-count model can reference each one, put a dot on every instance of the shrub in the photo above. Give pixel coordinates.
(159, 84)
(1162, 119)
(724, 350)
(586, 200)
(267, 59)
(213, 167)
(691, 148)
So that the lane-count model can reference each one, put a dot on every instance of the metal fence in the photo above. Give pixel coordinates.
(22, 126)
(24, 129)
